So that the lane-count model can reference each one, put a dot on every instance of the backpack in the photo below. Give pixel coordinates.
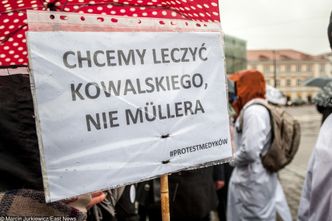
(286, 134)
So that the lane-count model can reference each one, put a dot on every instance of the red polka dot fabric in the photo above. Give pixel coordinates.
(13, 25)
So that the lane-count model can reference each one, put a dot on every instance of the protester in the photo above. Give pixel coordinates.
(315, 203)
(323, 101)
(222, 192)
(105, 210)
(254, 192)
(119, 205)
(148, 198)
(127, 207)
(192, 196)
(329, 31)
(226, 169)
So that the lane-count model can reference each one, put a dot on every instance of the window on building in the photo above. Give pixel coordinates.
(278, 83)
(322, 68)
(266, 68)
(278, 68)
(288, 68)
(298, 68)
(299, 82)
(288, 82)
(309, 67)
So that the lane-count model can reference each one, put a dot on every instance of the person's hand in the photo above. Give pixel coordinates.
(86, 201)
(219, 184)
(96, 198)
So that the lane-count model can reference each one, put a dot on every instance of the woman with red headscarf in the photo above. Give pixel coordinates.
(253, 191)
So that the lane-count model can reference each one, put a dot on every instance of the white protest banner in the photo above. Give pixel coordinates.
(119, 107)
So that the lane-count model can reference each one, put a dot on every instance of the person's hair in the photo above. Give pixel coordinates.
(325, 111)
(329, 31)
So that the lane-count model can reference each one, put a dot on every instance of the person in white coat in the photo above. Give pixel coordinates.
(316, 199)
(254, 193)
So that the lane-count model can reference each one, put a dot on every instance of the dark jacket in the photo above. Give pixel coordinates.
(192, 194)
(19, 152)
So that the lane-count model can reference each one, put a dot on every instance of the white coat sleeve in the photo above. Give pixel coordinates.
(316, 197)
(303, 211)
(281, 204)
(255, 132)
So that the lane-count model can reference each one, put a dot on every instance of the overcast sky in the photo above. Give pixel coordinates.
(281, 24)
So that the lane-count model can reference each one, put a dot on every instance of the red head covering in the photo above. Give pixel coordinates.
(250, 84)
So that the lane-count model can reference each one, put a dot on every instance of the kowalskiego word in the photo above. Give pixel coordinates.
(93, 90)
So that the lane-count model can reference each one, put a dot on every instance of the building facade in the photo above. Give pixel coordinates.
(327, 56)
(235, 53)
(287, 70)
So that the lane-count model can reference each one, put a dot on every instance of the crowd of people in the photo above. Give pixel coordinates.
(240, 190)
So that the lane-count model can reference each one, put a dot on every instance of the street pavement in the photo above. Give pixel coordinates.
(292, 177)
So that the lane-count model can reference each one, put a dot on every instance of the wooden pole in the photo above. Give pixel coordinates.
(164, 198)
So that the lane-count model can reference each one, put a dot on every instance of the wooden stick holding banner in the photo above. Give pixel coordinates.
(164, 198)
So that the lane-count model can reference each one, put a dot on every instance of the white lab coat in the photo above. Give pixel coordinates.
(316, 199)
(253, 190)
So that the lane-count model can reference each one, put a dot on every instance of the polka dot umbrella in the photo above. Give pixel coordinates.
(13, 19)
